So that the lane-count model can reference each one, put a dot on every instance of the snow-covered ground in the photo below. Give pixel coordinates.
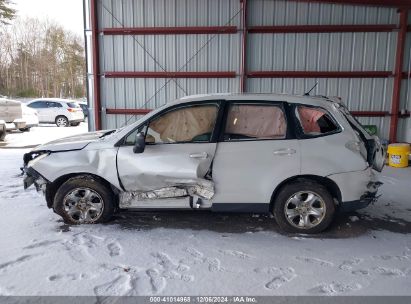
(40, 135)
(198, 253)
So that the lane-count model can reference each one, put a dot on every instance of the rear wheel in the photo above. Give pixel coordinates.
(84, 200)
(75, 124)
(2, 135)
(25, 129)
(304, 207)
(62, 121)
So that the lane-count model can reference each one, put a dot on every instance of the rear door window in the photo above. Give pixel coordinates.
(315, 121)
(52, 104)
(255, 122)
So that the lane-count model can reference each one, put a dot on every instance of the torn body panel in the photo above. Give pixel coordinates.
(33, 177)
(165, 165)
(186, 191)
(99, 162)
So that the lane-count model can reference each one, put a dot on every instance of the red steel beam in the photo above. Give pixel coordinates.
(392, 3)
(170, 30)
(170, 74)
(370, 113)
(324, 28)
(319, 74)
(399, 58)
(405, 75)
(96, 64)
(243, 67)
(128, 111)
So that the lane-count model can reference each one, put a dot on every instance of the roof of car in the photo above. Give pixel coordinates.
(52, 99)
(303, 99)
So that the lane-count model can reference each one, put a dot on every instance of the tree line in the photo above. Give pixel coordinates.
(39, 58)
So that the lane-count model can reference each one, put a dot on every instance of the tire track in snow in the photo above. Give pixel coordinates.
(13, 263)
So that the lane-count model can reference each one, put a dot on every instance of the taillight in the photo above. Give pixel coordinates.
(71, 110)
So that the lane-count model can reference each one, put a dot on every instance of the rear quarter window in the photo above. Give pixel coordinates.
(73, 105)
(315, 121)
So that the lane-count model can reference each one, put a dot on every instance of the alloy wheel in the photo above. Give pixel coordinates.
(305, 209)
(61, 122)
(83, 205)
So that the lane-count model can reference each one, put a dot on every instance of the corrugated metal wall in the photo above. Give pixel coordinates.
(165, 52)
(371, 51)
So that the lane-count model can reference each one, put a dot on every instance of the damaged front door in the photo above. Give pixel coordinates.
(179, 150)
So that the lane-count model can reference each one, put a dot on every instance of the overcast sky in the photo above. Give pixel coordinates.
(68, 13)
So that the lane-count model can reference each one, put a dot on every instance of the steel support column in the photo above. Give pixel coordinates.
(399, 58)
(96, 64)
(243, 67)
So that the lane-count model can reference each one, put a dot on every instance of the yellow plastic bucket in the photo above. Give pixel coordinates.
(398, 155)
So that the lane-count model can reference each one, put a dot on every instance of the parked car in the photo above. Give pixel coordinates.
(12, 114)
(30, 116)
(301, 158)
(62, 112)
(2, 130)
(84, 107)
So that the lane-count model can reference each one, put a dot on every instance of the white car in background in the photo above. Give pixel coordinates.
(30, 116)
(11, 115)
(62, 112)
(301, 158)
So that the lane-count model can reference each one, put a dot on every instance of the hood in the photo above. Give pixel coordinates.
(75, 142)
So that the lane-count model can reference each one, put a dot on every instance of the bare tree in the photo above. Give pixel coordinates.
(6, 12)
(40, 58)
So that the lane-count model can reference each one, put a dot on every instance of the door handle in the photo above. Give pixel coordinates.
(286, 151)
(202, 155)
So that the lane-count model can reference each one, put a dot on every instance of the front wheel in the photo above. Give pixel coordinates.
(75, 124)
(304, 207)
(24, 129)
(84, 200)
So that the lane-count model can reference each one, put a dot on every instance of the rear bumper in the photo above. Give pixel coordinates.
(366, 199)
(76, 120)
(358, 188)
(15, 125)
(31, 125)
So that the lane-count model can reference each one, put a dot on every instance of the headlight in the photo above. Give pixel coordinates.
(35, 160)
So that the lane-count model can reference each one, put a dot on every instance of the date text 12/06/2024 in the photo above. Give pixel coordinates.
(207, 299)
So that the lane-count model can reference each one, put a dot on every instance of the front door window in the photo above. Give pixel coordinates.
(183, 125)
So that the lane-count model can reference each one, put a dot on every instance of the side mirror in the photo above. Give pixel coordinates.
(140, 143)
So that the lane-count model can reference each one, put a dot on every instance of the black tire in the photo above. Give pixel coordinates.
(301, 189)
(62, 121)
(25, 129)
(2, 135)
(75, 124)
(80, 183)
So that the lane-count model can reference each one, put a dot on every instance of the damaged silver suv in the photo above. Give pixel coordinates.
(300, 157)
